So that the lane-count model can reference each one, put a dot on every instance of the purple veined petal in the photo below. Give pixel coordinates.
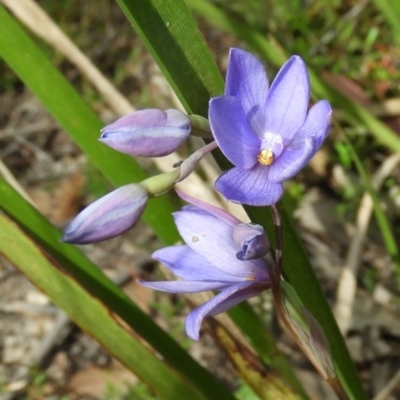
(305, 143)
(190, 266)
(249, 186)
(148, 133)
(221, 302)
(292, 160)
(287, 100)
(218, 212)
(246, 79)
(184, 286)
(232, 132)
(211, 238)
(108, 217)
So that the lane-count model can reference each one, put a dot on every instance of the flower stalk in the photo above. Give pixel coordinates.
(298, 321)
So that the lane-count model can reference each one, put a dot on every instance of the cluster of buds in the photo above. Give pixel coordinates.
(145, 133)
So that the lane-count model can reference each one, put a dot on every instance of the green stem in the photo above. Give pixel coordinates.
(274, 270)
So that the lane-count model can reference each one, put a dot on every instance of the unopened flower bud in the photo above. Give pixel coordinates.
(108, 217)
(253, 241)
(148, 133)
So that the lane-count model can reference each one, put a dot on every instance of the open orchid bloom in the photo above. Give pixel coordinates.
(267, 133)
(208, 261)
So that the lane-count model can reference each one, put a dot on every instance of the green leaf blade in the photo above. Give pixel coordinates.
(94, 318)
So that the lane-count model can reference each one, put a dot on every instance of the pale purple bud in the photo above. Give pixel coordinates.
(148, 133)
(253, 241)
(108, 217)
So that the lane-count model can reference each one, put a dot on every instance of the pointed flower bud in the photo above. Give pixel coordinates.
(148, 133)
(253, 241)
(108, 217)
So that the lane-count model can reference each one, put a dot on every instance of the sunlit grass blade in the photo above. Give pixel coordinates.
(96, 283)
(75, 116)
(94, 318)
(163, 25)
(273, 53)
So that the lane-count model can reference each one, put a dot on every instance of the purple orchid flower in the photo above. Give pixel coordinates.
(267, 134)
(148, 133)
(208, 262)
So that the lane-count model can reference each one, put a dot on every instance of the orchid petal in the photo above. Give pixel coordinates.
(304, 145)
(291, 161)
(218, 212)
(212, 238)
(232, 132)
(317, 124)
(188, 265)
(249, 186)
(184, 286)
(246, 79)
(287, 100)
(221, 302)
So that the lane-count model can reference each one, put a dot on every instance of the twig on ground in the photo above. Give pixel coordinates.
(10, 179)
(347, 285)
(384, 393)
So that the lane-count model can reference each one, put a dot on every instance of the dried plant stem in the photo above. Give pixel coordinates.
(346, 289)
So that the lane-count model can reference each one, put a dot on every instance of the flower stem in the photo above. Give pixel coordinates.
(337, 388)
(275, 270)
(276, 216)
(187, 166)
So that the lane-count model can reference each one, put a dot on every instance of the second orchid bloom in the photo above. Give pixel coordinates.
(209, 260)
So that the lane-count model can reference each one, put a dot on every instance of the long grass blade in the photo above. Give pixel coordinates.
(166, 25)
(95, 318)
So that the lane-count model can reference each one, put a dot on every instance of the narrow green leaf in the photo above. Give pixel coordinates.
(75, 116)
(174, 52)
(96, 283)
(94, 318)
(263, 342)
(261, 378)
(391, 10)
(149, 18)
